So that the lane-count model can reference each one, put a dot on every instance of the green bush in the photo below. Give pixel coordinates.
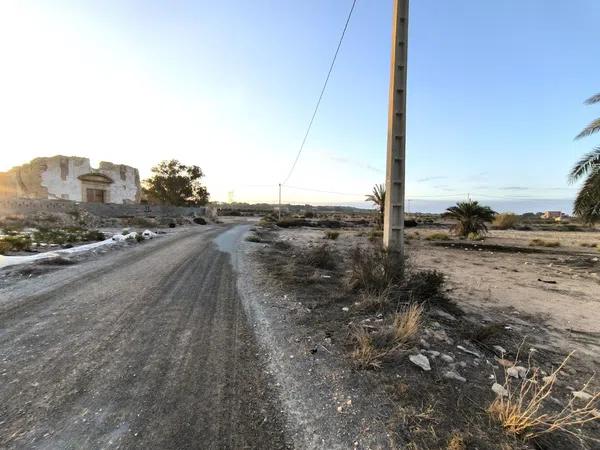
(14, 243)
(426, 285)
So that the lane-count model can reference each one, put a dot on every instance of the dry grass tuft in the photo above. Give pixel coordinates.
(456, 442)
(374, 301)
(505, 221)
(372, 348)
(407, 324)
(543, 243)
(522, 412)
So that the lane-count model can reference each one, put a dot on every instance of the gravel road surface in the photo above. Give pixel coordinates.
(142, 348)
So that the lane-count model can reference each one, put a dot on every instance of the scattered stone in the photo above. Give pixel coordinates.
(345, 309)
(424, 343)
(582, 395)
(443, 314)
(420, 360)
(499, 349)
(433, 353)
(453, 375)
(447, 358)
(512, 372)
(470, 352)
(505, 362)
(442, 336)
(499, 390)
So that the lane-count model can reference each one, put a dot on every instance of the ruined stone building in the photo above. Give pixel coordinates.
(72, 178)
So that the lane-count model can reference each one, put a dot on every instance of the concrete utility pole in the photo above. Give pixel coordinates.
(393, 227)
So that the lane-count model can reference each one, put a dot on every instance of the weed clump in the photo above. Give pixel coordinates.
(14, 244)
(320, 257)
(543, 243)
(375, 269)
(438, 237)
(332, 235)
(370, 349)
(524, 411)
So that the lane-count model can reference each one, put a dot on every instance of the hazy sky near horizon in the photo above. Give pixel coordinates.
(496, 92)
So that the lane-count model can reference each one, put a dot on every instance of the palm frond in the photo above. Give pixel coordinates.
(589, 163)
(593, 99)
(587, 202)
(592, 128)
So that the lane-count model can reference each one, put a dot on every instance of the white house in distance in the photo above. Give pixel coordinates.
(72, 178)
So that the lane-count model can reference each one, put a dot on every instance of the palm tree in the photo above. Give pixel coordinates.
(471, 217)
(378, 199)
(587, 203)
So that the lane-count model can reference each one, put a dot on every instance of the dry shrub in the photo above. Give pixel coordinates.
(374, 301)
(543, 243)
(320, 257)
(523, 411)
(371, 348)
(332, 235)
(426, 284)
(437, 237)
(505, 221)
(375, 269)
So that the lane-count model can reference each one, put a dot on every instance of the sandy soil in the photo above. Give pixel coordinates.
(507, 279)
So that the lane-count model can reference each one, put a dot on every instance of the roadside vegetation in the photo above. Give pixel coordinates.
(401, 337)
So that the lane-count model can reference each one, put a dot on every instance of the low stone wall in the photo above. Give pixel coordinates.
(24, 206)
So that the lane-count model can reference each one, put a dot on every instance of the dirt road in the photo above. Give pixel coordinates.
(144, 348)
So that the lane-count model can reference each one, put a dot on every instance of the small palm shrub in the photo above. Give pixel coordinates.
(471, 217)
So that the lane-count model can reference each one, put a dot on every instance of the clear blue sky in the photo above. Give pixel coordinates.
(495, 92)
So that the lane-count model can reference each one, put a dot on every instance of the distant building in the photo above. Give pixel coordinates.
(72, 178)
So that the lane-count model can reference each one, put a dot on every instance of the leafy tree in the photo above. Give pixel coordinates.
(378, 199)
(587, 203)
(471, 217)
(176, 184)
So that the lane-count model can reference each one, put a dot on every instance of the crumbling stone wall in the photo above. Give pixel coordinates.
(60, 177)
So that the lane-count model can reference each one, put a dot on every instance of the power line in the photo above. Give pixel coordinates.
(322, 93)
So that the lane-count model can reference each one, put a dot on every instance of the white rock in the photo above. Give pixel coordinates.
(582, 395)
(444, 314)
(499, 390)
(345, 309)
(499, 349)
(470, 352)
(147, 234)
(453, 375)
(512, 372)
(421, 361)
(447, 358)
(433, 353)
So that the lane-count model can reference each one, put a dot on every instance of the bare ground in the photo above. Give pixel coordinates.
(148, 348)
